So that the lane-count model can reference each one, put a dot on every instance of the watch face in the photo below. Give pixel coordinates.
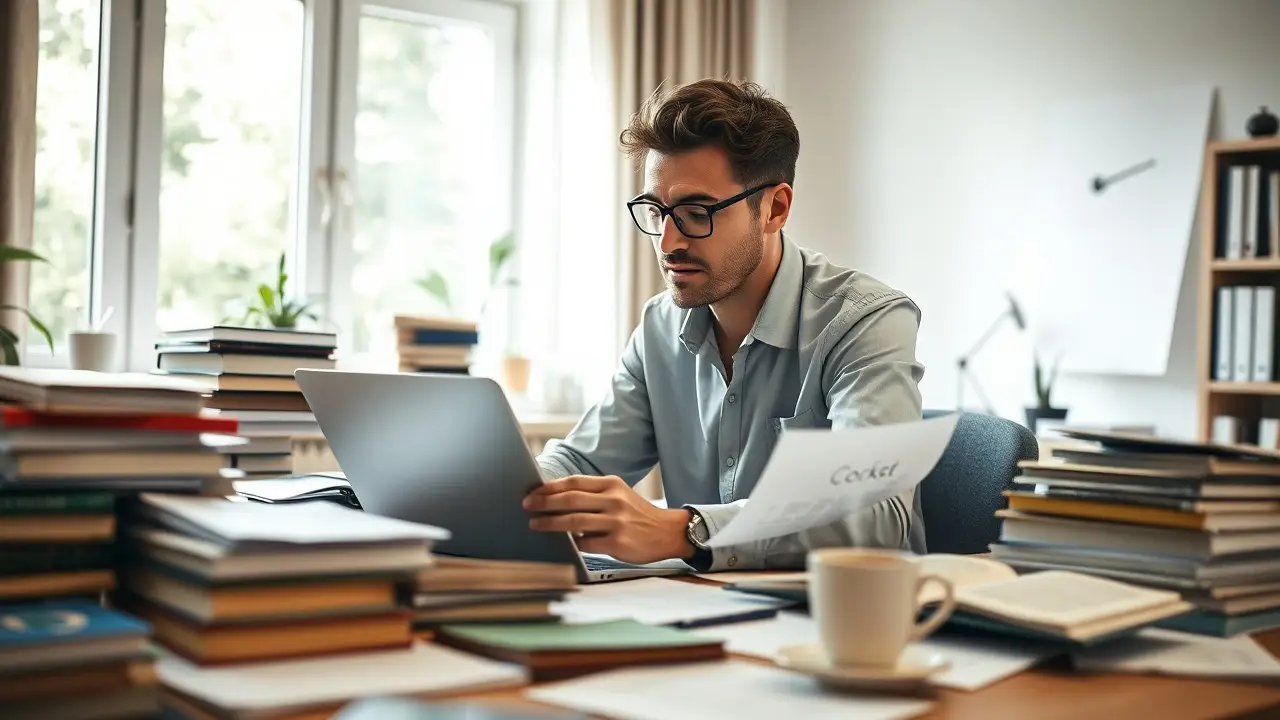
(698, 532)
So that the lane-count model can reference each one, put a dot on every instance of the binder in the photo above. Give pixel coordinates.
(1242, 352)
(1235, 213)
(1222, 366)
(1264, 323)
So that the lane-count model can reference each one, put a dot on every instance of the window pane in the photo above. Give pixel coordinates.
(66, 120)
(430, 197)
(232, 108)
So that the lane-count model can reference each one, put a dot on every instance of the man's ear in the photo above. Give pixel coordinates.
(777, 206)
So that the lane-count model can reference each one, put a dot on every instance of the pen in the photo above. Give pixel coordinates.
(757, 614)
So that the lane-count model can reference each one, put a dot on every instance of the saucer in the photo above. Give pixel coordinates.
(915, 666)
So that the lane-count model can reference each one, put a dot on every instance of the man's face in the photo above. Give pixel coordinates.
(702, 271)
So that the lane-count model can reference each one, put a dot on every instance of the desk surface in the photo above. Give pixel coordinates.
(1052, 691)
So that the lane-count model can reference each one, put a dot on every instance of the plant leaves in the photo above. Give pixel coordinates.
(8, 252)
(268, 298)
(436, 286)
(9, 346)
(499, 252)
(35, 323)
(282, 277)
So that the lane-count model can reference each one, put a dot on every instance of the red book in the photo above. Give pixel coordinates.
(12, 416)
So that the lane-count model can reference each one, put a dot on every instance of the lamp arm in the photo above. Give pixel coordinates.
(986, 336)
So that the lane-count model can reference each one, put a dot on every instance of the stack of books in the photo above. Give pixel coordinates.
(463, 590)
(228, 582)
(74, 659)
(1199, 518)
(74, 445)
(437, 345)
(249, 375)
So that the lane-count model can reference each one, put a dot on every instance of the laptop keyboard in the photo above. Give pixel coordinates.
(604, 562)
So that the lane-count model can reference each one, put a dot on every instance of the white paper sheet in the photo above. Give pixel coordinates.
(975, 662)
(738, 690)
(815, 477)
(421, 670)
(1167, 652)
(658, 601)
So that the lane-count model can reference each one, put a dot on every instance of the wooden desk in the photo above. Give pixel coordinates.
(1053, 691)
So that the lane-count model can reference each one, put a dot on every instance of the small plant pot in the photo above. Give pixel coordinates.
(1036, 414)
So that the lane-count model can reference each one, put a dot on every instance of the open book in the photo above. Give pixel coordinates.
(992, 597)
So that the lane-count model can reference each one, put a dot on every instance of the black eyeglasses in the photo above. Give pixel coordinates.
(693, 220)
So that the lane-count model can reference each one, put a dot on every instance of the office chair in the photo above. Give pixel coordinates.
(961, 494)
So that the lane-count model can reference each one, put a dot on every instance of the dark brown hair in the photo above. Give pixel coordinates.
(753, 129)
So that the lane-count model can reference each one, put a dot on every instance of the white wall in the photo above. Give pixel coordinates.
(918, 119)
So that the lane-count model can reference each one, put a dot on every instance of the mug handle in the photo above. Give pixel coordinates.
(940, 615)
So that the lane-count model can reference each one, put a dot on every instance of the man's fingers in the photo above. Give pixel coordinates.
(600, 544)
(581, 483)
(570, 501)
(574, 523)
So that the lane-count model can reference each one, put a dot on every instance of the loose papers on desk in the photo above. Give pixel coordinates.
(975, 662)
(816, 477)
(730, 689)
(1168, 652)
(659, 601)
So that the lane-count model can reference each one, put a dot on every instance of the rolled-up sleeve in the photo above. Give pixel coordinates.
(871, 377)
(614, 437)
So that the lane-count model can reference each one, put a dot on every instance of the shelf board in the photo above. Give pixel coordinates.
(1246, 145)
(1242, 388)
(1252, 264)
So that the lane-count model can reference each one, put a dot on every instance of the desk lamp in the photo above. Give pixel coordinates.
(1013, 312)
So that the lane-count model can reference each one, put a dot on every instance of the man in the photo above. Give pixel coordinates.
(753, 337)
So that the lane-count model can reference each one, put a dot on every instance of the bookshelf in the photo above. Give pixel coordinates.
(1252, 399)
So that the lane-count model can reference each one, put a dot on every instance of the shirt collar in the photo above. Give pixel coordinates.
(776, 322)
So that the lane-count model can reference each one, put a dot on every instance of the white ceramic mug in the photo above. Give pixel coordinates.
(866, 601)
(92, 351)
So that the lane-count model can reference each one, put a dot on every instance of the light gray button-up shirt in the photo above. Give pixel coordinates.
(831, 347)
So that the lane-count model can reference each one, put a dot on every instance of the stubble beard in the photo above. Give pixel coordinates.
(742, 260)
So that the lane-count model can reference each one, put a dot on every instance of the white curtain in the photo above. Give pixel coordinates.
(567, 197)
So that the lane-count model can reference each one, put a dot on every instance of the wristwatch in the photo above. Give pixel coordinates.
(697, 531)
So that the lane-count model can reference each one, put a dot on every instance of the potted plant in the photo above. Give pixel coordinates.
(8, 338)
(273, 309)
(1044, 409)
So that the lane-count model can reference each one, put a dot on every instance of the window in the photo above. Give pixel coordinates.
(431, 128)
(369, 142)
(232, 109)
(66, 123)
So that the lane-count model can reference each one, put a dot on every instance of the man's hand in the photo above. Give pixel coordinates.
(606, 516)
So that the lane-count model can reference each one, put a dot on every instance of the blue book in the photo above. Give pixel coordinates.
(64, 622)
(445, 337)
(1201, 622)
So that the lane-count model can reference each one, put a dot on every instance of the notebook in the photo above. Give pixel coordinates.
(556, 651)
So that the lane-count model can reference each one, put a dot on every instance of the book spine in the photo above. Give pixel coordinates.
(71, 503)
(1242, 367)
(1235, 213)
(23, 559)
(1223, 365)
(1264, 322)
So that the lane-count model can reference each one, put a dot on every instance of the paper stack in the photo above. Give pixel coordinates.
(74, 659)
(249, 374)
(462, 590)
(437, 345)
(224, 582)
(72, 443)
(1198, 518)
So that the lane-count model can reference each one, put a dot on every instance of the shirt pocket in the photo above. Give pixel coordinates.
(801, 420)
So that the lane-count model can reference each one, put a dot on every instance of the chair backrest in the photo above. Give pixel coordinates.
(961, 494)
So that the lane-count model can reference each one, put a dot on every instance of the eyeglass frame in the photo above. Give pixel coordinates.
(711, 210)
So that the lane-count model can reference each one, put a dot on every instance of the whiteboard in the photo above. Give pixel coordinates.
(1111, 262)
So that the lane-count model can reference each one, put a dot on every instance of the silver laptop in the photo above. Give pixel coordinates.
(446, 450)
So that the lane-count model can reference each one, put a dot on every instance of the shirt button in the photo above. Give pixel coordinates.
(733, 560)
(728, 462)
(733, 397)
